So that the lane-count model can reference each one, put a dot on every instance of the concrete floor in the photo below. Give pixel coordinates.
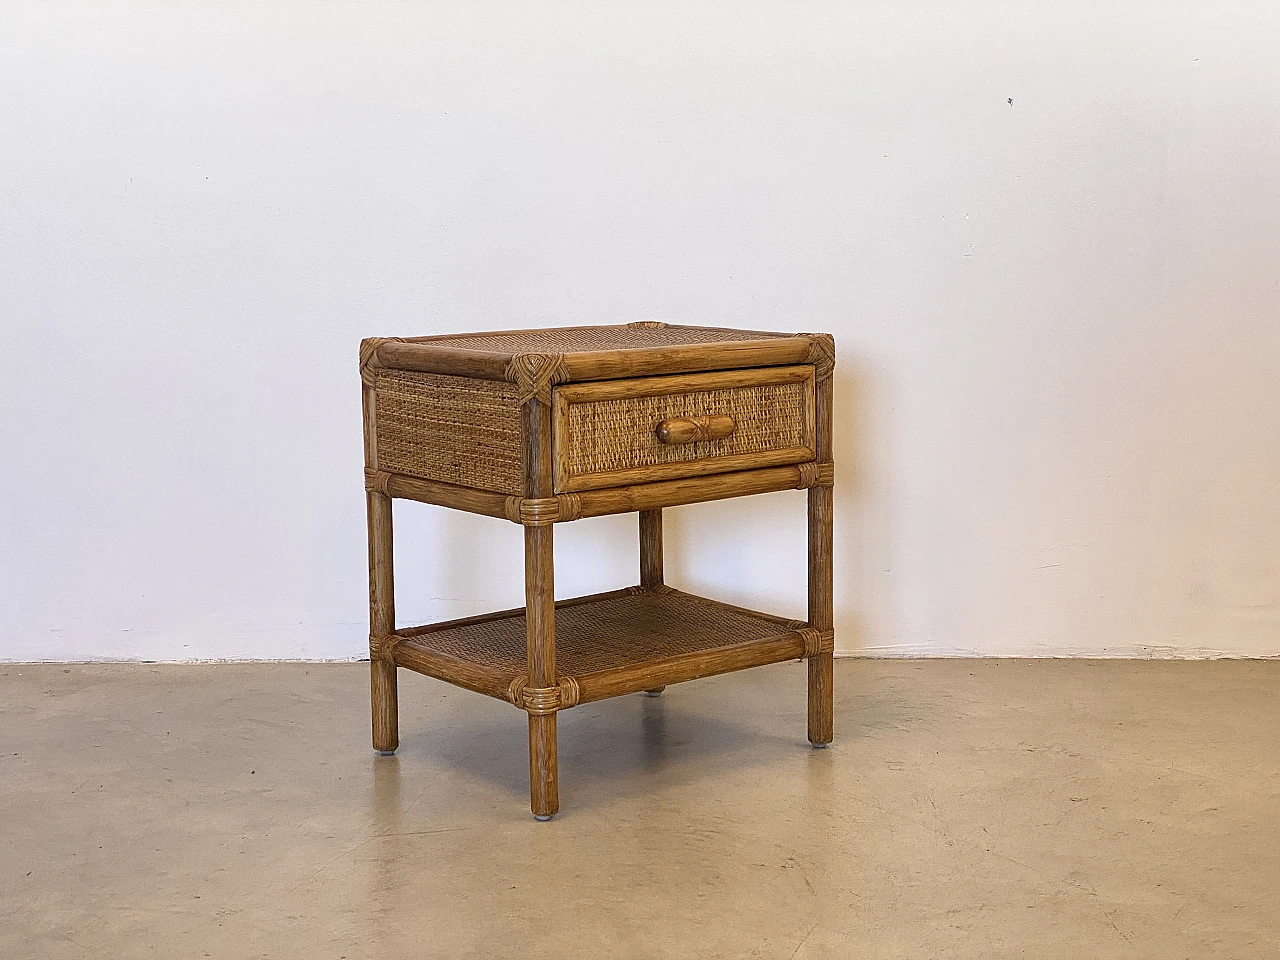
(1035, 809)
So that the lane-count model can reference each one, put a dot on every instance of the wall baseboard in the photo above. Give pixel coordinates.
(924, 651)
(887, 652)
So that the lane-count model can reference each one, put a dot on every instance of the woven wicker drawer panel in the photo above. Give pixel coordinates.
(604, 432)
(451, 429)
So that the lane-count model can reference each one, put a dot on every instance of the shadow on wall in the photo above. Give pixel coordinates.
(748, 551)
(864, 524)
(751, 551)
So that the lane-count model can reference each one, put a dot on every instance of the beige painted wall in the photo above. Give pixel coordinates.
(1058, 318)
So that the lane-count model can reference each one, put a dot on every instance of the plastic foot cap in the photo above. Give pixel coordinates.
(385, 753)
(819, 746)
(543, 817)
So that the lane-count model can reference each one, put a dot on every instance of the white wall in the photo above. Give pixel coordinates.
(1058, 320)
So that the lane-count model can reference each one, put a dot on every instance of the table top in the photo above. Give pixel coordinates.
(589, 339)
(564, 354)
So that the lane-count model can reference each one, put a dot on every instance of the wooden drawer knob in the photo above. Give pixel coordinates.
(694, 429)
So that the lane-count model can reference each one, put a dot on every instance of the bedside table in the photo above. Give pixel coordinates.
(541, 427)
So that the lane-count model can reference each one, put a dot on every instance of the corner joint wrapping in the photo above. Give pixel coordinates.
(383, 648)
(822, 353)
(815, 474)
(540, 511)
(817, 642)
(377, 481)
(369, 364)
(536, 373)
(541, 701)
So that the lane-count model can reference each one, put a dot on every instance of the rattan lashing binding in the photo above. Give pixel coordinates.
(536, 373)
(822, 353)
(817, 642)
(817, 475)
(535, 511)
(541, 701)
(383, 648)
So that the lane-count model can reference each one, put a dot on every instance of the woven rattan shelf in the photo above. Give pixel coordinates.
(545, 426)
(610, 643)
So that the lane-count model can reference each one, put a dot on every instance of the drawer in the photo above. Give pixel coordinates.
(610, 433)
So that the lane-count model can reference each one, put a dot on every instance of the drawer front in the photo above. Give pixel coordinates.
(612, 433)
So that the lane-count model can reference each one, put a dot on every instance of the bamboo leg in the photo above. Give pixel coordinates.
(821, 700)
(650, 549)
(540, 608)
(544, 797)
(382, 673)
(544, 783)
(821, 694)
(386, 710)
(651, 560)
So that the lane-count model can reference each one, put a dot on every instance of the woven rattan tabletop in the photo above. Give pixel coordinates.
(569, 340)
(537, 359)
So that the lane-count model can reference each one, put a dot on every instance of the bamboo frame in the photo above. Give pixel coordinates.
(599, 503)
(658, 674)
(535, 683)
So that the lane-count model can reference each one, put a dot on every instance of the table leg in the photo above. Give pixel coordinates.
(821, 694)
(382, 618)
(651, 559)
(650, 548)
(821, 700)
(540, 611)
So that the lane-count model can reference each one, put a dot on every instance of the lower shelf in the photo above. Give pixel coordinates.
(610, 643)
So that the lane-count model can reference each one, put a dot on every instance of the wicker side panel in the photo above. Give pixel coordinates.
(450, 429)
(607, 435)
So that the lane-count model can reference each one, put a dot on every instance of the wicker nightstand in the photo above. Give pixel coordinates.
(545, 426)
